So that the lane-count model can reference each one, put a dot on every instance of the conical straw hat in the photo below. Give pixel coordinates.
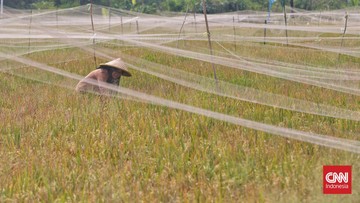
(118, 64)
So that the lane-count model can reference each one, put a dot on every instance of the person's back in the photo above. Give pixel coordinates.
(90, 82)
(109, 72)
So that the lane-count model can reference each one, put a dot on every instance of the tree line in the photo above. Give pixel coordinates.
(213, 6)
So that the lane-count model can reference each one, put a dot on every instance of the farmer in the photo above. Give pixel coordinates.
(109, 72)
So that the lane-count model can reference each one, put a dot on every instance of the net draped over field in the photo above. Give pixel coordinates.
(117, 33)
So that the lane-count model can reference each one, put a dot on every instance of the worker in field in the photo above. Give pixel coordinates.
(109, 72)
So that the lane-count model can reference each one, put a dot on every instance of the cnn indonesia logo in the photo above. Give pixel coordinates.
(337, 179)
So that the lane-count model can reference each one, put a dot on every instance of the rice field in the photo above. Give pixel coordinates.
(279, 109)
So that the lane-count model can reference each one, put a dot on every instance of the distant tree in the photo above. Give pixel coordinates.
(213, 6)
(18, 3)
(57, 3)
(320, 4)
(355, 2)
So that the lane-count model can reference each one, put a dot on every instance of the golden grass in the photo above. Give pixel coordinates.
(56, 145)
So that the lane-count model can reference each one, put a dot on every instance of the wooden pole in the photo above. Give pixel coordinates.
(91, 16)
(265, 32)
(109, 4)
(137, 27)
(343, 35)
(57, 19)
(122, 27)
(1, 8)
(109, 19)
(195, 18)
(187, 10)
(209, 39)
(234, 33)
(93, 29)
(286, 32)
(57, 23)
(29, 44)
(345, 27)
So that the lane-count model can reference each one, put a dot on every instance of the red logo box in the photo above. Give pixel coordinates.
(337, 179)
